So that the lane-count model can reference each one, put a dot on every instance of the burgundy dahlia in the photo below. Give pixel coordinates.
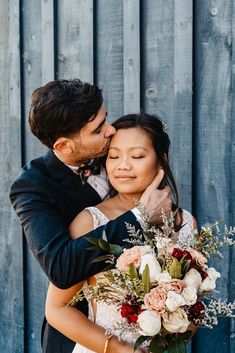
(177, 253)
(196, 311)
(187, 255)
(130, 312)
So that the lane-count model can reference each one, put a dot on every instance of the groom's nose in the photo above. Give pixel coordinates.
(110, 130)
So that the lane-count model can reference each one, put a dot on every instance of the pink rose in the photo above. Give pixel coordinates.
(131, 256)
(155, 300)
(198, 257)
(176, 285)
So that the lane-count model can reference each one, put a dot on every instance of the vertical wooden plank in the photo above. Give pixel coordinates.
(47, 11)
(35, 280)
(212, 138)
(232, 180)
(167, 80)
(109, 49)
(11, 274)
(75, 39)
(131, 56)
(180, 125)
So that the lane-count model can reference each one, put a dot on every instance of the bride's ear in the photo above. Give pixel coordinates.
(63, 145)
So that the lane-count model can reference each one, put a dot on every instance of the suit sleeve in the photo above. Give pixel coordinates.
(64, 260)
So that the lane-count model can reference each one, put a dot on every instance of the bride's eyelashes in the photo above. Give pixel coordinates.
(134, 157)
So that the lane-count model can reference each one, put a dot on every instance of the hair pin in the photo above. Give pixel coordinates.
(164, 126)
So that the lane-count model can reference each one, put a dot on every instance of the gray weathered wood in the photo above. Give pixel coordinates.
(109, 60)
(35, 280)
(111, 43)
(232, 181)
(131, 56)
(48, 50)
(167, 80)
(75, 39)
(11, 247)
(213, 125)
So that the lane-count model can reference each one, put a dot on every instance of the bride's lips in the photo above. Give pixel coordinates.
(124, 177)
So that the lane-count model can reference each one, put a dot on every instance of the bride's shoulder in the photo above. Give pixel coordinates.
(82, 224)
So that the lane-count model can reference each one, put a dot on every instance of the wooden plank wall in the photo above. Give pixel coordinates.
(11, 249)
(173, 58)
(212, 154)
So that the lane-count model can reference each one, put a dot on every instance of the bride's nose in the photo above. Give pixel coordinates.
(124, 164)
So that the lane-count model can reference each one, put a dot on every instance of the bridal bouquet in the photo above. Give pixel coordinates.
(163, 284)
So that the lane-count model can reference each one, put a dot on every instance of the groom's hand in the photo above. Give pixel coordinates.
(154, 201)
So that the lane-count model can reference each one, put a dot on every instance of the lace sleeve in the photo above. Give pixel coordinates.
(99, 217)
(186, 233)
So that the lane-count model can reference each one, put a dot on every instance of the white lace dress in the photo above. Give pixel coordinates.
(107, 315)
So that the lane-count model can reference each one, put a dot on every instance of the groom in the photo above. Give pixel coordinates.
(69, 117)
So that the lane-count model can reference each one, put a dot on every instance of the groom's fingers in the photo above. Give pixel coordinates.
(155, 201)
(156, 181)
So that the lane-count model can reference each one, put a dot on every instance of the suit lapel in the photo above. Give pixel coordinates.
(64, 175)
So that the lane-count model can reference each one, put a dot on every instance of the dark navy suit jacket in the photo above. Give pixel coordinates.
(47, 196)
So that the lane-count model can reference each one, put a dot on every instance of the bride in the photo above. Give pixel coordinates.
(137, 151)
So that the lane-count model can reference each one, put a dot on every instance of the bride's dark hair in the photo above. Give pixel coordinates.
(154, 127)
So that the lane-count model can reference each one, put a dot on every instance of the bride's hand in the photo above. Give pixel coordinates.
(153, 201)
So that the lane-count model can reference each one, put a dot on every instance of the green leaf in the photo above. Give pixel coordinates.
(176, 347)
(104, 236)
(92, 248)
(174, 268)
(115, 249)
(146, 279)
(140, 340)
(186, 335)
(100, 258)
(157, 345)
(185, 267)
(92, 240)
(133, 272)
(103, 245)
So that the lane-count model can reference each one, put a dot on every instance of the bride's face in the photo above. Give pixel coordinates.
(131, 162)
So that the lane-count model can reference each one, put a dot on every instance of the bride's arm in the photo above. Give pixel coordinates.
(69, 320)
(75, 325)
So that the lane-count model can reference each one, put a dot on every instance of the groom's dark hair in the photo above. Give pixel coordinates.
(62, 108)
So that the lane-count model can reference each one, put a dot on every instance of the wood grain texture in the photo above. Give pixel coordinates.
(48, 50)
(35, 281)
(212, 140)
(232, 182)
(75, 39)
(167, 80)
(131, 56)
(109, 54)
(141, 54)
(11, 259)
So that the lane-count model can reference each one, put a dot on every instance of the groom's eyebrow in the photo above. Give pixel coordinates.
(101, 123)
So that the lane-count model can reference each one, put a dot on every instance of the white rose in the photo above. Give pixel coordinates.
(154, 266)
(207, 285)
(209, 282)
(164, 277)
(213, 274)
(190, 295)
(149, 323)
(193, 279)
(176, 321)
(173, 301)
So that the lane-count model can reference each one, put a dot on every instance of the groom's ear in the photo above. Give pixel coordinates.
(63, 145)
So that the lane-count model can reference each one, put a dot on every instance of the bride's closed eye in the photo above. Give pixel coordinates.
(112, 157)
